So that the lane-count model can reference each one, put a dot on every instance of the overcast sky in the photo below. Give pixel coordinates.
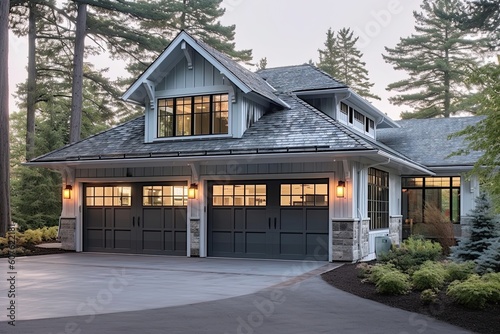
(290, 32)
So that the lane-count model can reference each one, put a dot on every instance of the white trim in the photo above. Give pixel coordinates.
(184, 37)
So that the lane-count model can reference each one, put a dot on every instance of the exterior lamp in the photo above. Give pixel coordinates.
(341, 189)
(193, 189)
(67, 192)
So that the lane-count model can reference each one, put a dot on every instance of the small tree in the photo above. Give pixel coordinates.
(484, 231)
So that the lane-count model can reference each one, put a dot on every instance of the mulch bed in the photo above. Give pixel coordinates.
(485, 321)
(38, 251)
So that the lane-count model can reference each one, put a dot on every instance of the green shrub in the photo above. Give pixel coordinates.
(49, 233)
(459, 271)
(379, 270)
(431, 275)
(412, 253)
(428, 296)
(3, 242)
(476, 292)
(394, 283)
(33, 236)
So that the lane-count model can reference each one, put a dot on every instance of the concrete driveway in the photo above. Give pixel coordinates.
(88, 284)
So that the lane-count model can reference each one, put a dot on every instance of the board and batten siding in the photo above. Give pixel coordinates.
(203, 74)
(227, 169)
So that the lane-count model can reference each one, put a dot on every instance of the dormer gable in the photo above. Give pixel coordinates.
(193, 90)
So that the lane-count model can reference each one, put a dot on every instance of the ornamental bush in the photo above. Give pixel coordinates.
(33, 236)
(476, 292)
(428, 296)
(459, 271)
(431, 275)
(412, 253)
(393, 283)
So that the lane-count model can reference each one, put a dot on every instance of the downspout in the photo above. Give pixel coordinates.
(358, 199)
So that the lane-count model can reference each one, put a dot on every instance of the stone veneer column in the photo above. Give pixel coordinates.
(195, 237)
(395, 229)
(67, 229)
(345, 239)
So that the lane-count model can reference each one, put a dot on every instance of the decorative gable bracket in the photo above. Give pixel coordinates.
(188, 53)
(149, 86)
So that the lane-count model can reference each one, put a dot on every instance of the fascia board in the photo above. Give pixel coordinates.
(183, 36)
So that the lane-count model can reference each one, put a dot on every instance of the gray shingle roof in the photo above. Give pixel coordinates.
(301, 128)
(299, 78)
(426, 140)
(251, 79)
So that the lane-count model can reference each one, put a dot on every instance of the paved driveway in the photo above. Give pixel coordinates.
(86, 284)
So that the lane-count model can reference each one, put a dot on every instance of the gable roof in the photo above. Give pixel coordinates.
(426, 140)
(244, 79)
(299, 78)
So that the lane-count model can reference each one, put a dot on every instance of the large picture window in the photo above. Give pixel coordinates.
(378, 198)
(442, 193)
(193, 116)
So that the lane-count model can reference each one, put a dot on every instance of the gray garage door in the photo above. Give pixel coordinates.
(269, 219)
(135, 218)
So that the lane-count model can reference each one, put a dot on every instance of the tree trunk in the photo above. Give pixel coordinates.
(31, 96)
(4, 119)
(77, 92)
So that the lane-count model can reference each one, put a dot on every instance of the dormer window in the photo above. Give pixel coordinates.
(193, 116)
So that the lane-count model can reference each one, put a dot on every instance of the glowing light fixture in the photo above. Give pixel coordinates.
(67, 192)
(341, 189)
(192, 191)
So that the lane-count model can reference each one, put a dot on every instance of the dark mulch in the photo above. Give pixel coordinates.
(481, 321)
(38, 251)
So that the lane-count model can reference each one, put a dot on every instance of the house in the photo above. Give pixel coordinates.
(286, 163)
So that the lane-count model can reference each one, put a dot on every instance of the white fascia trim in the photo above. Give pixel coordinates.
(407, 163)
(183, 36)
(205, 159)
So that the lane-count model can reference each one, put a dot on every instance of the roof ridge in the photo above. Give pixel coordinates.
(88, 138)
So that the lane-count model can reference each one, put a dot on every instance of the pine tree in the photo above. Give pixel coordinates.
(342, 60)
(438, 59)
(352, 70)
(329, 57)
(262, 65)
(484, 230)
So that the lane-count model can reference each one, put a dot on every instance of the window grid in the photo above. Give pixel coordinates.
(378, 198)
(164, 195)
(443, 192)
(193, 116)
(304, 194)
(344, 108)
(239, 195)
(108, 196)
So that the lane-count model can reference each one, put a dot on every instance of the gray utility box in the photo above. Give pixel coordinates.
(382, 245)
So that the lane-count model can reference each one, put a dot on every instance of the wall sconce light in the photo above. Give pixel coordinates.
(67, 192)
(341, 189)
(192, 191)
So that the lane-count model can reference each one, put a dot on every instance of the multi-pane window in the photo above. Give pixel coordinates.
(193, 116)
(304, 194)
(164, 195)
(378, 198)
(359, 117)
(108, 196)
(344, 108)
(442, 193)
(239, 195)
